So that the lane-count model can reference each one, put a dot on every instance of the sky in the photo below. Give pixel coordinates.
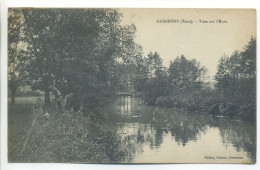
(205, 42)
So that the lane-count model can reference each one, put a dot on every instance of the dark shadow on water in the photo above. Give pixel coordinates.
(138, 125)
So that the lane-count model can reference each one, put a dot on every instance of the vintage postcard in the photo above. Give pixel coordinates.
(119, 85)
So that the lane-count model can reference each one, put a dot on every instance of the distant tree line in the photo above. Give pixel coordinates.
(181, 85)
(184, 85)
(87, 55)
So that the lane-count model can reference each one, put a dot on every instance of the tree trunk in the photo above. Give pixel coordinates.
(47, 100)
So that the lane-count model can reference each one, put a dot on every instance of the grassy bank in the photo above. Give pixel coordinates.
(19, 121)
(67, 137)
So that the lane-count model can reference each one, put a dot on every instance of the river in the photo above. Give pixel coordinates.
(165, 135)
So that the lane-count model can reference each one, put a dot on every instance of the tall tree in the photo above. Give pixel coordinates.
(236, 80)
(17, 55)
(186, 75)
(40, 31)
(74, 51)
(151, 77)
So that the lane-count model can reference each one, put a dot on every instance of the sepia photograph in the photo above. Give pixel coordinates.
(131, 85)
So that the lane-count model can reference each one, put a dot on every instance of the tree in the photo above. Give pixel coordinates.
(236, 81)
(232, 70)
(91, 72)
(187, 84)
(151, 78)
(248, 60)
(75, 50)
(141, 77)
(39, 25)
(17, 55)
(185, 75)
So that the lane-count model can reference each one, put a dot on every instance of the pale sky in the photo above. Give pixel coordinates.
(206, 42)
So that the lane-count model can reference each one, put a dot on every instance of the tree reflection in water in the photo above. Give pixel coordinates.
(140, 125)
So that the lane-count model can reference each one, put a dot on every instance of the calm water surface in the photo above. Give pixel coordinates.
(165, 135)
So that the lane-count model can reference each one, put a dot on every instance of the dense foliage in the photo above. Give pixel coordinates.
(181, 85)
(75, 52)
(85, 56)
(185, 84)
(18, 56)
(236, 83)
(150, 79)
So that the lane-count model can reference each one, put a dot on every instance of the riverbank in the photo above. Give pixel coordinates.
(210, 103)
(62, 137)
